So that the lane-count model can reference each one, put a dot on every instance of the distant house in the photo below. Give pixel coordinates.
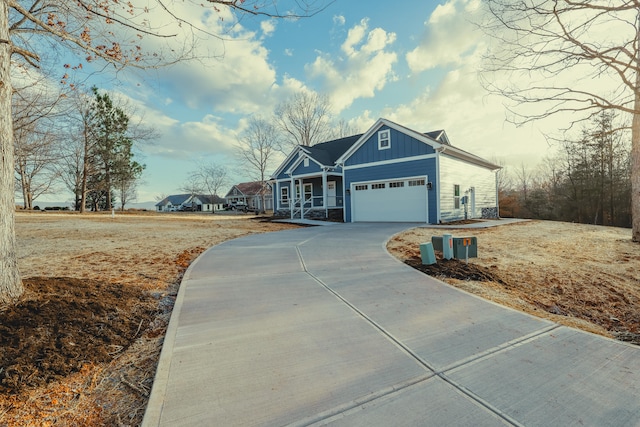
(388, 174)
(190, 202)
(250, 195)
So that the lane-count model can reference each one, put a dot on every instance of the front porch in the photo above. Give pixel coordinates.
(315, 197)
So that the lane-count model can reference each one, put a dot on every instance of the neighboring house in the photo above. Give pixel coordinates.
(390, 174)
(173, 203)
(209, 203)
(190, 202)
(251, 195)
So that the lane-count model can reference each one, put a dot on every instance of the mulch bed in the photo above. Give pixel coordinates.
(61, 324)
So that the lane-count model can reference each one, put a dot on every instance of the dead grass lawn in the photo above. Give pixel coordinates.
(579, 275)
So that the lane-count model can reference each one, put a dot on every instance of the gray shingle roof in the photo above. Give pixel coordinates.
(175, 200)
(327, 153)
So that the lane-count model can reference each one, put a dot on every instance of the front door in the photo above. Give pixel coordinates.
(308, 194)
(331, 194)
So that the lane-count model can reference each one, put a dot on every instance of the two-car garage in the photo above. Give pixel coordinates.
(393, 200)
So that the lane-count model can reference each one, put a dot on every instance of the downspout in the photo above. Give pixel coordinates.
(497, 195)
(437, 184)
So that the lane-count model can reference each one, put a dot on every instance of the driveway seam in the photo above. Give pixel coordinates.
(436, 373)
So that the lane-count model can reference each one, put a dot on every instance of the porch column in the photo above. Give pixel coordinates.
(301, 198)
(324, 193)
(292, 195)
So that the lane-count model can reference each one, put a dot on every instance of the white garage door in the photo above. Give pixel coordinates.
(397, 200)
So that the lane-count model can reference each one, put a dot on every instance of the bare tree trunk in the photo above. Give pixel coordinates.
(10, 283)
(635, 168)
(635, 148)
(85, 169)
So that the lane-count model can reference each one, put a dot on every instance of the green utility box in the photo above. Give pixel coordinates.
(459, 248)
(427, 254)
(436, 241)
(460, 245)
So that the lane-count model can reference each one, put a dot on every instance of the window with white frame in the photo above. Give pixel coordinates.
(284, 195)
(361, 187)
(306, 162)
(384, 139)
(416, 182)
(456, 196)
(396, 184)
(377, 186)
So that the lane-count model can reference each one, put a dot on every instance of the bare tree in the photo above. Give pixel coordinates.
(257, 148)
(342, 129)
(594, 47)
(209, 178)
(304, 119)
(110, 31)
(36, 140)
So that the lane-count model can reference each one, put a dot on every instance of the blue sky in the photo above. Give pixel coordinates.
(415, 64)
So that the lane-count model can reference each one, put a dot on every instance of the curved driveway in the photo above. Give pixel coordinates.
(321, 326)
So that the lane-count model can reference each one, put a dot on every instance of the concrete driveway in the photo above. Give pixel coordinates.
(321, 326)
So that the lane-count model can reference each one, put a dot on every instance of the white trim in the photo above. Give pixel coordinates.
(450, 150)
(300, 160)
(392, 161)
(377, 125)
(308, 175)
(287, 160)
(387, 138)
(281, 194)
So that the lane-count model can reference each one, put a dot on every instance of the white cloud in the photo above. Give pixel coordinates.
(339, 20)
(449, 38)
(365, 66)
(267, 27)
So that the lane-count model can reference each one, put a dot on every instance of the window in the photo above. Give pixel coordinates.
(306, 162)
(284, 195)
(377, 186)
(384, 139)
(416, 182)
(362, 187)
(456, 196)
(396, 184)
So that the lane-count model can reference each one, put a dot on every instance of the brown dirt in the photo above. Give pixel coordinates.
(578, 275)
(81, 346)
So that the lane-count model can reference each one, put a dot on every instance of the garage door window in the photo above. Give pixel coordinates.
(377, 186)
(362, 187)
(416, 182)
(396, 184)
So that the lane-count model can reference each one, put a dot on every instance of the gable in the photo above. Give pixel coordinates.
(288, 163)
(401, 145)
(305, 167)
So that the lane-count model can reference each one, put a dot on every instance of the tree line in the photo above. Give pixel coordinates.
(83, 141)
(587, 180)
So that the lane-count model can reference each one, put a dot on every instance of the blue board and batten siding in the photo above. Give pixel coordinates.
(312, 168)
(406, 157)
(402, 146)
